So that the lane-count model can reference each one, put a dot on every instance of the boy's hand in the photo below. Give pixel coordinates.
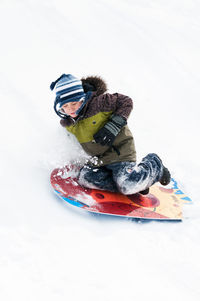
(107, 134)
(104, 136)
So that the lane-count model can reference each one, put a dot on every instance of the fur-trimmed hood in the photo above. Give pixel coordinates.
(95, 84)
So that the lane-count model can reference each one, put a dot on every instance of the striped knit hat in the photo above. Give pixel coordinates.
(68, 89)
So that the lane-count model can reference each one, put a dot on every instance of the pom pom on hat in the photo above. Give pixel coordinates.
(54, 83)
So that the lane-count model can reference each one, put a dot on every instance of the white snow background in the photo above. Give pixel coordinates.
(147, 49)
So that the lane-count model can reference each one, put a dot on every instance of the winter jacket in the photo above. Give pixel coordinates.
(93, 117)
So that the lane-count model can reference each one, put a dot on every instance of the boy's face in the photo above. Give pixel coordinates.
(70, 108)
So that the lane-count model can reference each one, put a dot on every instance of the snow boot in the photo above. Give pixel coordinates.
(146, 191)
(166, 177)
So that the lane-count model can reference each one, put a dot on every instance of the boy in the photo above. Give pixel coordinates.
(99, 122)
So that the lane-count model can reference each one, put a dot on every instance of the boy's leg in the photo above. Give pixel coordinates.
(97, 178)
(132, 178)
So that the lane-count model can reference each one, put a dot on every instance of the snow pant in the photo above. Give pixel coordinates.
(124, 177)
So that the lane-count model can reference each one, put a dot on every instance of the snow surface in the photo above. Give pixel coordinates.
(148, 49)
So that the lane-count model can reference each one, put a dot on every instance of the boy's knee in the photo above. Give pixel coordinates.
(85, 176)
(90, 177)
(84, 173)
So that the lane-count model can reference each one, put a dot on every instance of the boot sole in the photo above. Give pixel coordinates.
(166, 177)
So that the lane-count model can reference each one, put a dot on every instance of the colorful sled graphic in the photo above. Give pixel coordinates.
(162, 203)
